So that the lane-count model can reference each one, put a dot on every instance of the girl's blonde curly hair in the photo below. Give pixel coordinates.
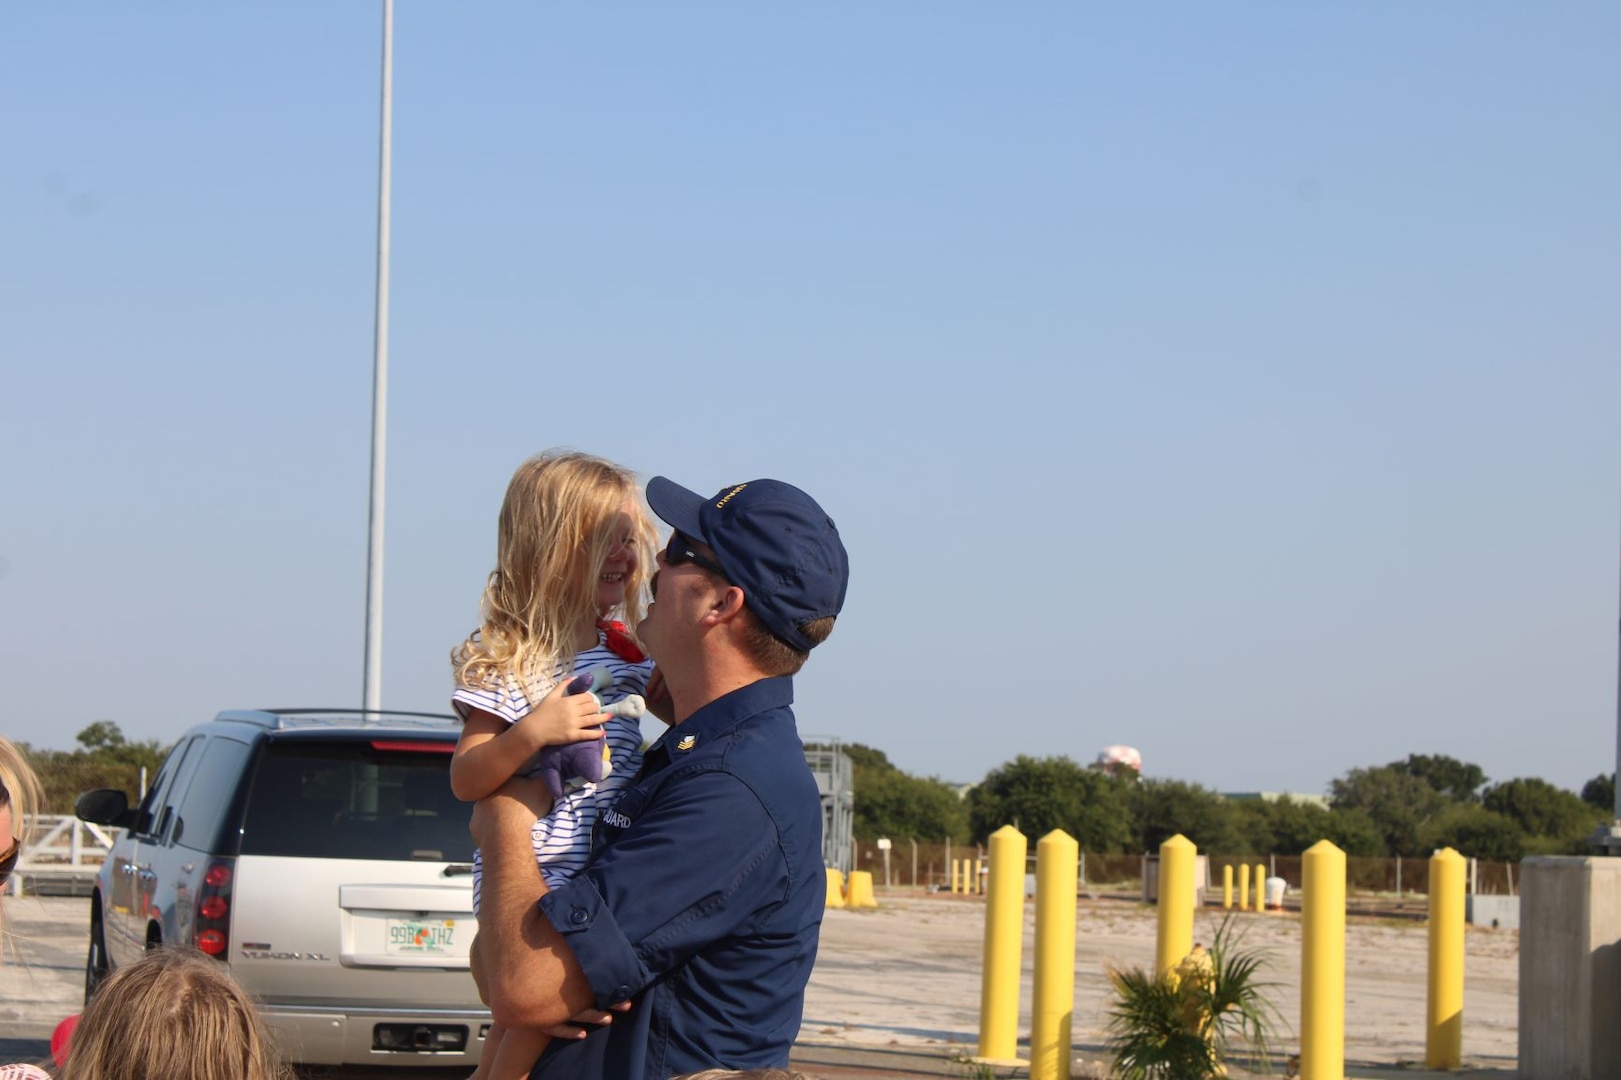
(174, 1014)
(557, 526)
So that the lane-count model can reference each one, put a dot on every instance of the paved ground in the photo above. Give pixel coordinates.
(906, 978)
(896, 991)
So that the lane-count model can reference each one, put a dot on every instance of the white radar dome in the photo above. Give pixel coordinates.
(1112, 758)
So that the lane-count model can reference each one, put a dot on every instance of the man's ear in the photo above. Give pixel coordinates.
(728, 605)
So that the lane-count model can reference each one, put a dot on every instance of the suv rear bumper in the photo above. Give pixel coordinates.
(314, 1035)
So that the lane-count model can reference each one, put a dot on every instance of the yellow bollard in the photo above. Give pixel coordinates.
(861, 889)
(1322, 963)
(1443, 1037)
(1227, 887)
(1052, 1009)
(1004, 940)
(835, 888)
(1260, 887)
(1244, 887)
(1174, 939)
(956, 866)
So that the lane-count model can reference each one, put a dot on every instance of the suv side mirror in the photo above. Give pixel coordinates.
(104, 806)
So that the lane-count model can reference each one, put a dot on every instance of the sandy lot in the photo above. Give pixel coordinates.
(907, 975)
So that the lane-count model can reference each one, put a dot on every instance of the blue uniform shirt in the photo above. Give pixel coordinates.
(702, 900)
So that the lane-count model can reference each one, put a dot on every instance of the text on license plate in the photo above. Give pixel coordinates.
(426, 936)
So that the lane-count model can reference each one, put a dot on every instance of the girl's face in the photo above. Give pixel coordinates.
(615, 572)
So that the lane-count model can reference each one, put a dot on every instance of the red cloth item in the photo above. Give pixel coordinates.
(617, 637)
(60, 1039)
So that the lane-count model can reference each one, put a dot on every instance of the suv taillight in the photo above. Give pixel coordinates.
(214, 910)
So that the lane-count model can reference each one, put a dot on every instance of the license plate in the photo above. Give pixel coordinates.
(425, 937)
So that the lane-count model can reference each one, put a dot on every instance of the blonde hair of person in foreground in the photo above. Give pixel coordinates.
(174, 1014)
(20, 793)
(21, 800)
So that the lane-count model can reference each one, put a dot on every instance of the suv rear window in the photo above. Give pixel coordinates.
(365, 799)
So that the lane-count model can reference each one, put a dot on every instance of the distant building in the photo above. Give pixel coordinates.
(1117, 760)
(1275, 796)
(835, 779)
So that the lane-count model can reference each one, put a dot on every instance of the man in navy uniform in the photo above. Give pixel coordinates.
(702, 902)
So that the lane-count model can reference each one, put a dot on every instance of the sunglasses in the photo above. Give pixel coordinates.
(680, 550)
(9, 863)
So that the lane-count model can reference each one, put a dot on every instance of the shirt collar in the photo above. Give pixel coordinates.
(719, 718)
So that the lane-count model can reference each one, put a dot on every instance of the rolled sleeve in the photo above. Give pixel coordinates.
(577, 911)
(700, 862)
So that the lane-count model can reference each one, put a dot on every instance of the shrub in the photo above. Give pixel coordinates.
(1183, 1025)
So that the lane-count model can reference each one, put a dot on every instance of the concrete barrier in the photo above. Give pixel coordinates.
(859, 894)
(1497, 912)
(835, 888)
(1570, 968)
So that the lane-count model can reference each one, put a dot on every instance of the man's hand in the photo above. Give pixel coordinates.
(513, 809)
(579, 1025)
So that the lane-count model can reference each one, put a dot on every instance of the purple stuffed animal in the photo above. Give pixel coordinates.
(586, 760)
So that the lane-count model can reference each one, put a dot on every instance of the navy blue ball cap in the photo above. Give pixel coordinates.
(774, 542)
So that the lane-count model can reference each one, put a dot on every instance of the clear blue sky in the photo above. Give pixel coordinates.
(1238, 382)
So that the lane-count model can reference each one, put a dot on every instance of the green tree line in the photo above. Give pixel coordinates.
(1408, 808)
(104, 759)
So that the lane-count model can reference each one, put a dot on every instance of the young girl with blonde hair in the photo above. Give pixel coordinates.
(174, 1014)
(574, 555)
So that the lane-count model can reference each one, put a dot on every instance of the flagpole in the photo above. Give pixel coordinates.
(373, 694)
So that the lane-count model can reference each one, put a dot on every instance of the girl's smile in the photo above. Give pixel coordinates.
(615, 572)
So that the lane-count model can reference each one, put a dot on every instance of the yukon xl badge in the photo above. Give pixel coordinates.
(258, 950)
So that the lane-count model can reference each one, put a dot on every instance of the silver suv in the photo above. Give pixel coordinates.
(322, 855)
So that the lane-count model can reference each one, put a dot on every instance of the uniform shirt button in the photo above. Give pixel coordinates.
(577, 915)
(621, 993)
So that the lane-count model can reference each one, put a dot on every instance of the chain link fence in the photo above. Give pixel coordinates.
(912, 862)
(926, 864)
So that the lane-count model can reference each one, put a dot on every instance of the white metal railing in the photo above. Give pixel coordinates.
(63, 846)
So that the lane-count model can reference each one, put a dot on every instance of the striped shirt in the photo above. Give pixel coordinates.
(562, 839)
(23, 1072)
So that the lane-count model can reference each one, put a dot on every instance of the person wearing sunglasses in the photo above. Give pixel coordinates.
(20, 800)
(701, 901)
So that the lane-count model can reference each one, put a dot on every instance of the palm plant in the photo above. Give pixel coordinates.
(1183, 1025)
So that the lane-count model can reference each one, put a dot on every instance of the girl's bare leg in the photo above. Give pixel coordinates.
(512, 1053)
(507, 1054)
